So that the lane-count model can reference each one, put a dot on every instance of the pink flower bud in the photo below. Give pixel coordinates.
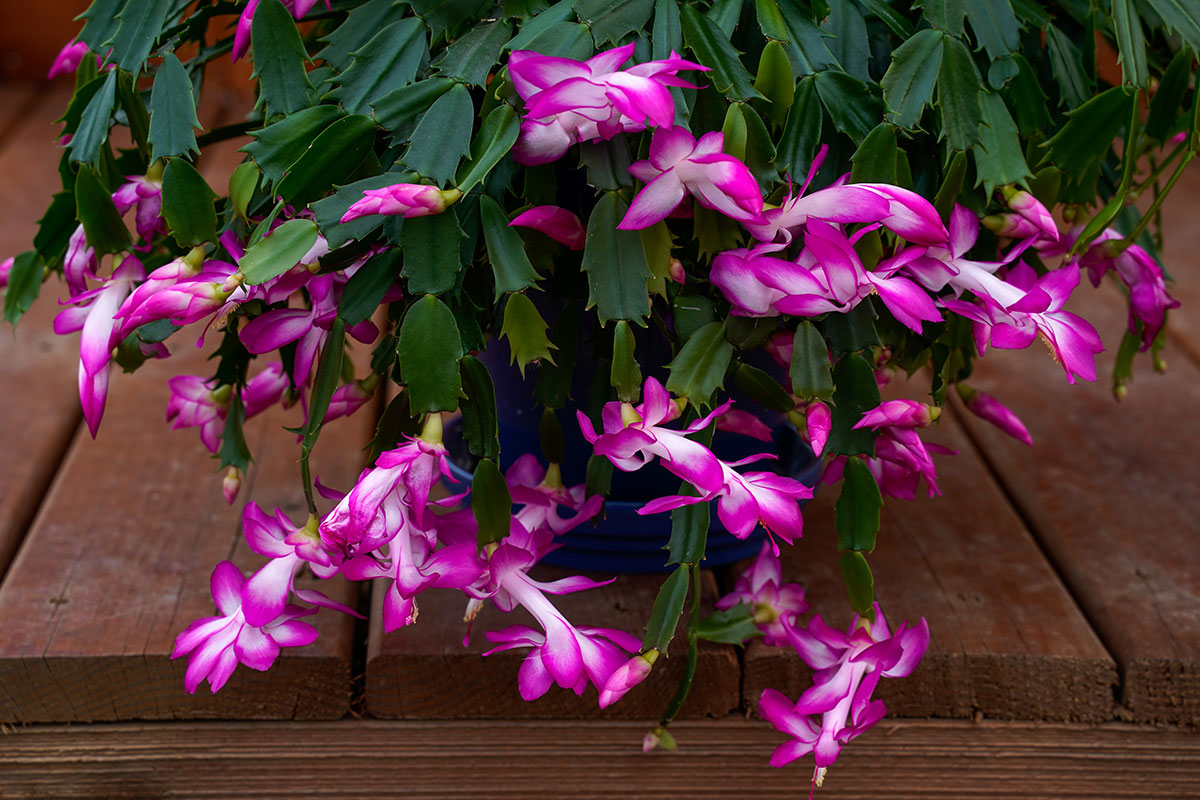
(559, 224)
(819, 421)
(402, 199)
(899, 414)
(5, 269)
(989, 408)
(231, 484)
(627, 676)
(675, 271)
(68, 59)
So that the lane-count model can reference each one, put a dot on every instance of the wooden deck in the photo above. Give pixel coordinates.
(1062, 587)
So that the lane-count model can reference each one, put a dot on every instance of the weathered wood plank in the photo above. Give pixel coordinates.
(118, 563)
(1111, 492)
(424, 671)
(1006, 638)
(37, 374)
(460, 759)
(1181, 256)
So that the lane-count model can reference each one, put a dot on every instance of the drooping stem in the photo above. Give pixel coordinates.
(689, 669)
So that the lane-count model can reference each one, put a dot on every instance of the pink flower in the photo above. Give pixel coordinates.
(737, 421)
(218, 644)
(1029, 219)
(543, 497)
(402, 199)
(196, 403)
(1149, 300)
(775, 604)
(847, 668)
(899, 413)
(99, 335)
(559, 224)
(79, 262)
(1072, 340)
(241, 36)
(145, 195)
(68, 59)
(627, 676)
(563, 654)
(5, 270)
(818, 423)
(265, 389)
(679, 166)
(571, 101)
(989, 408)
(634, 436)
(289, 548)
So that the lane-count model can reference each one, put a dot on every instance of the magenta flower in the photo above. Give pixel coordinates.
(759, 284)
(68, 59)
(290, 547)
(265, 389)
(197, 403)
(1149, 300)
(79, 262)
(563, 654)
(633, 436)
(680, 166)
(737, 421)
(818, 423)
(571, 101)
(543, 497)
(100, 333)
(900, 414)
(627, 676)
(1029, 219)
(746, 499)
(186, 301)
(1072, 340)
(145, 196)
(218, 644)
(989, 408)
(5, 270)
(389, 500)
(559, 224)
(241, 35)
(402, 199)
(775, 604)
(847, 668)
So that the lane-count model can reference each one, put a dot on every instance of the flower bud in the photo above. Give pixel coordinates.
(230, 485)
(627, 676)
(403, 199)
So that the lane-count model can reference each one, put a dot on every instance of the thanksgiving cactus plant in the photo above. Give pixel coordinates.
(795, 199)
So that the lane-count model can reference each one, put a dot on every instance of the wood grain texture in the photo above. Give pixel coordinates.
(37, 369)
(1181, 257)
(462, 759)
(1111, 492)
(423, 671)
(118, 562)
(1007, 640)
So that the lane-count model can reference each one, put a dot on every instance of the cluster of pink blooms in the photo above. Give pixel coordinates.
(391, 526)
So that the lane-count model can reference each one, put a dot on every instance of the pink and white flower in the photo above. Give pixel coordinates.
(775, 605)
(680, 166)
(571, 101)
(403, 200)
(847, 668)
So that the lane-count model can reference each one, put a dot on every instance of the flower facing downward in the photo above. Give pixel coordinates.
(847, 668)
(218, 644)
